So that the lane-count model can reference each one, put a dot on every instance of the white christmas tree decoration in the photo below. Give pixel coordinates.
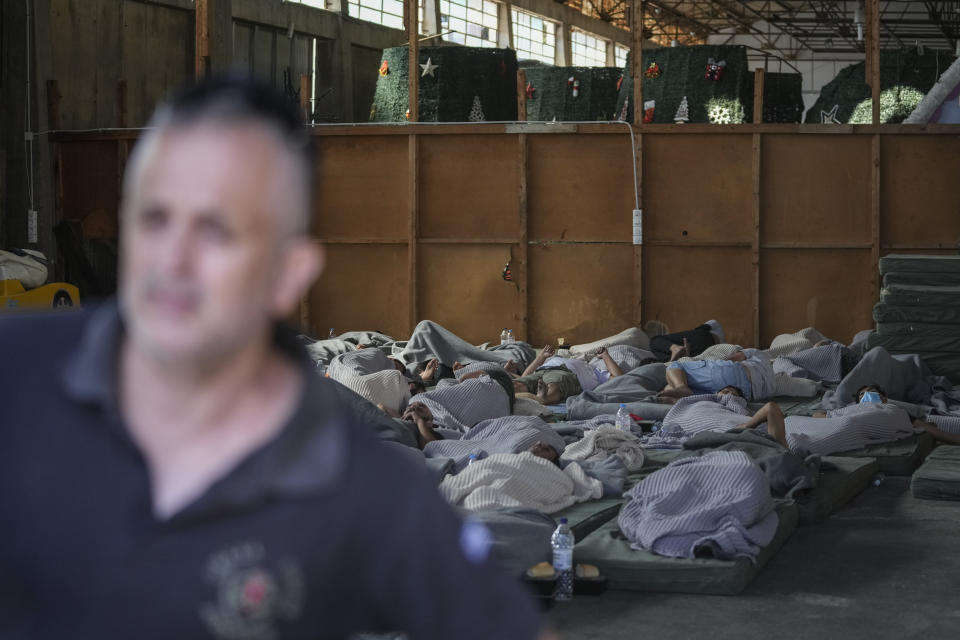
(476, 111)
(683, 112)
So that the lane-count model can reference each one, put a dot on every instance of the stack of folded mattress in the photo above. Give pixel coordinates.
(919, 310)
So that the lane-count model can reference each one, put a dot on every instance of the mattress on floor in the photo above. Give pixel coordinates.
(585, 517)
(919, 263)
(633, 570)
(937, 330)
(923, 279)
(939, 477)
(900, 457)
(920, 296)
(841, 479)
(885, 312)
(915, 343)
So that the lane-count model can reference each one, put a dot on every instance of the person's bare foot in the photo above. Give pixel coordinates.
(675, 392)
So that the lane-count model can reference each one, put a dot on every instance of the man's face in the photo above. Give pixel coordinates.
(544, 451)
(729, 391)
(201, 248)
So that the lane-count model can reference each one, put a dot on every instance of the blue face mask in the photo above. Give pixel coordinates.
(870, 396)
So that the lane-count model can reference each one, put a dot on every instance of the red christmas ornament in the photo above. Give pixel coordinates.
(530, 90)
(652, 71)
(715, 69)
(619, 82)
(384, 68)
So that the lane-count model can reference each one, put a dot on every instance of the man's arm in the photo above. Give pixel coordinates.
(547, 352)
(772, 414)
(608, 360)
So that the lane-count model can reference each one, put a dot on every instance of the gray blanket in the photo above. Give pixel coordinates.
(430, 340)
(905, 378)
(637, 389)
(510, 434)
(787, 472)
(827, 363)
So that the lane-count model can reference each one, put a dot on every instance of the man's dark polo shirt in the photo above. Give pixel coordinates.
(320, 532)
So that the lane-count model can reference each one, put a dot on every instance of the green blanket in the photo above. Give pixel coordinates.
(840, 480)
(918, 263)
(898, 458)
(633, 570)
(939, 477)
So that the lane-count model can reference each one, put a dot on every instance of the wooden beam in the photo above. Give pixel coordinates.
(414, 208)
(202, 32)
(522, 274)
(305, 97)
(411, 11)
(521, 96)
(875, 212)
(873, 53)
(755, 240)
(636, 71)
(758, 78)
(636, 58)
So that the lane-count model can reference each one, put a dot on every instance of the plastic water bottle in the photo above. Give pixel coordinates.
(473, 458)
(624, 421)
(331, 334)
(878, 479)
(510, 337)
(562, 543)
(505, 336)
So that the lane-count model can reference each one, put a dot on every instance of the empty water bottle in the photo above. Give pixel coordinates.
(878, 479)
(624, 421)
(562, 543)
(331, 334)
(473, 458)
(504, 336)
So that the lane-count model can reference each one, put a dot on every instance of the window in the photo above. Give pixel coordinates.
(587, 50)
(319, 4)
(470, 22)
(389, 13)
(620, 53)
(534, 38)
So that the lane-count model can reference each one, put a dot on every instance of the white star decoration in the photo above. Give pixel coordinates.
(429, 68)
(830, 117)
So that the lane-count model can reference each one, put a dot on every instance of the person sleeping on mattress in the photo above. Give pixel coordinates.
(747, 369)
(555, 379)
(510, 434)
(870, 420)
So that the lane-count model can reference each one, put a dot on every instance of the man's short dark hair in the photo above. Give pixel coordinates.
(738, 390)
(238, 98)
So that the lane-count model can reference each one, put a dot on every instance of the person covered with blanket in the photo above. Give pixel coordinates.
(868, 420)
(554, 379)
(747, 369)
(449, 411)
(510, 434)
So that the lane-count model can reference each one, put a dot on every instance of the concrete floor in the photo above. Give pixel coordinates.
(885, 566)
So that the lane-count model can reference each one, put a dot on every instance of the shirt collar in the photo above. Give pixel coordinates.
(309, 454)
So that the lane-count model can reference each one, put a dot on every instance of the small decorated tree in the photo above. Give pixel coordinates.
(683, 112)
(476, 111)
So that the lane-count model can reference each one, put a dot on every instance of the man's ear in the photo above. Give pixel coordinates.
(301, 263)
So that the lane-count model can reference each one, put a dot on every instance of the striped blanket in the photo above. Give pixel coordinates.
(511, 434)
(718, 504)
(600, 443)
(519, 480)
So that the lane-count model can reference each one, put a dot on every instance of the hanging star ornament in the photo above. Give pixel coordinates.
(830, 117)
(429, 68)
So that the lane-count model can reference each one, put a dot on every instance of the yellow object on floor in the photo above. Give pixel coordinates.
(56, 295)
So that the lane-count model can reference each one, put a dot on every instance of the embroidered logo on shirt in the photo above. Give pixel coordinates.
(252, 594)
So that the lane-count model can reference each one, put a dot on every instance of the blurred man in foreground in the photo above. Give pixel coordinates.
(171, 466)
